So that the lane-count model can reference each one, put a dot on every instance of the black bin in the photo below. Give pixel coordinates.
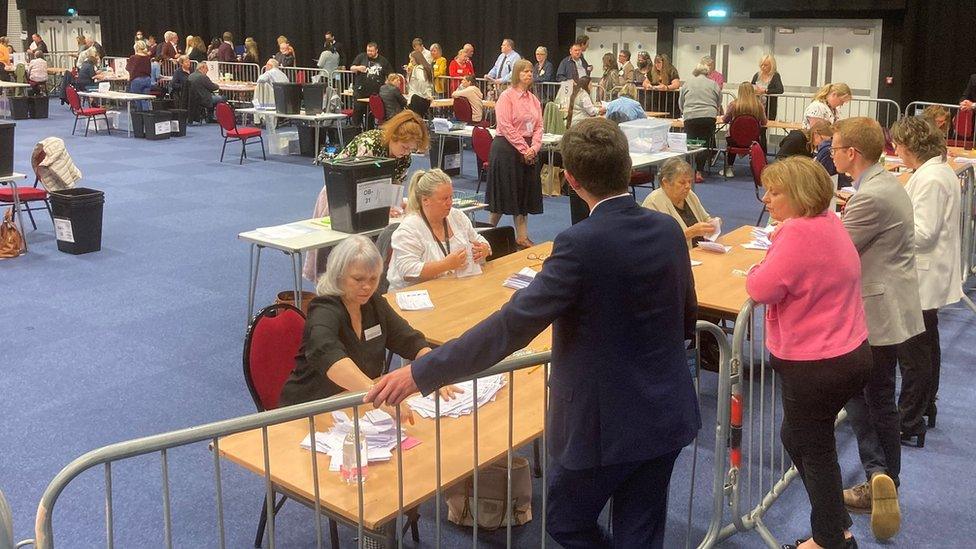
(332, 133)
(312, 97)
(78, 219)
(288, 97)
(6, 148)
(451, 156)
(156, 125)
(163, 104)
(138, 125)
(19, 107)
(345, 178)
(306, 140)
(180, 117)
(38, 106)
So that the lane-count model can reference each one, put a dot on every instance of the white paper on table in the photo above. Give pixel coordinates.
(695, 263)
(415, 300)
(376, 193)
(288, 230)
(714, 247)
(462, 403)
(755, 246)
(104, 86)
(471, 267)
(717, 222)
(678, 142)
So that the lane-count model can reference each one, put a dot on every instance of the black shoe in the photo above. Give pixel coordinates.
(906, 439)
(931, 412)
(849, 543)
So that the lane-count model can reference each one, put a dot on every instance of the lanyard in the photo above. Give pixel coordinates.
(446, 251)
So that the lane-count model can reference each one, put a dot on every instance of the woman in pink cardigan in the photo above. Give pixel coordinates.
(810, 282)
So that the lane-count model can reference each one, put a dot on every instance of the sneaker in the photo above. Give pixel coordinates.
(857, 499)
(728, 172)
(885, 513)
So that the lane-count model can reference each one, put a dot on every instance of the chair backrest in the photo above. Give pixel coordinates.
(376, 108)
(73, 100)
(300, 77)
(481, 141)
(743, 131)
(964, 124)
(462, 110)
(501, 240)
(272, 341)
(420, 105)
(225, 117)
(384, 243)
(757, 161)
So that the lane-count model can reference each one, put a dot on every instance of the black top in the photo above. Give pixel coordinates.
(200, 88)
(795, 143)
(285, 59)
(198, 55)
(393, 100)
(775, 87)
(970, 93)
(368, 83)
(329, 337)
(689, 218)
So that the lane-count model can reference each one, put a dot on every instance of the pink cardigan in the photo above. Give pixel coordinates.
(810, 282)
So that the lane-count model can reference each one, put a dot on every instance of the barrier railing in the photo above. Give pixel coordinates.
(305, 75)
(956, 124)
(532, 392)
(240, 72)
(168, 67)
(967, 219)
(791, 106)
(343, 82)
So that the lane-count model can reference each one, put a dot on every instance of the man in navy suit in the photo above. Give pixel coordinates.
(619, 293)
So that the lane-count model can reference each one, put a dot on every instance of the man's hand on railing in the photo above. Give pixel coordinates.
(393, 388)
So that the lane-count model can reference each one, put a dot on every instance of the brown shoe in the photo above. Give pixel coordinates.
(857, 499)
(885, 513)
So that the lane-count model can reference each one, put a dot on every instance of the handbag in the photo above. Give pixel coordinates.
(552, 180)
(11, 241)
(492, 491)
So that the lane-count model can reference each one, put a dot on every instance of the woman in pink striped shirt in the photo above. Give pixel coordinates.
(816, 334)
(514, 183)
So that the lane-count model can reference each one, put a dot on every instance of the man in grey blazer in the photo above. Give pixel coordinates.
(879, 218)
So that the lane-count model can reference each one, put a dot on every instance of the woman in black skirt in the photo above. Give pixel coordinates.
(514, 182)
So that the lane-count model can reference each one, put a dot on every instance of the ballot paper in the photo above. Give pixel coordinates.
(463, 403)
(760, 238)
(415, 300)
(471, 267)
(695, 263)
(376, 425)
(713, 247)
(521, 279)
(717, 222)
(289, 230)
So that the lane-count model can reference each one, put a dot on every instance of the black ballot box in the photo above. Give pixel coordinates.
(359, 193)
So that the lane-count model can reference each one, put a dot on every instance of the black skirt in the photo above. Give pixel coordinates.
(514, 188)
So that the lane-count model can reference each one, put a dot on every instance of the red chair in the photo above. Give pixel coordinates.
(641, 178)
(742, 132)
(273, 339)
(230, 132)
(481, 142)
(377, 109)
(963, 130)
(463, 112)
(300, 77)
(90, 113)
(757, 161)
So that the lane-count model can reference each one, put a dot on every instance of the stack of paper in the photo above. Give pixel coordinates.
(717, 223)
(416, 300)
(714, 247)
(760, 238)
(289, 230)
(463, 403)
(520, 280)
(376, 425)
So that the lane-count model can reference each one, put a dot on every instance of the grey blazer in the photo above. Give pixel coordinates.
(880, 220)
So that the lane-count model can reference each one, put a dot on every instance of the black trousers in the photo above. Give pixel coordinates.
(921, 365)
(639, 512)
(814, 391)
(873, 416)
(704, 129)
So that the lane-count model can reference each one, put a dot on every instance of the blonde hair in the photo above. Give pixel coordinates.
(628, 90)
(404, 127)
(821, 128)
(772, 63)
(804, 182)
(747, 103)
(864, 134)
(840, 88)
(423, 183)
(519, 66)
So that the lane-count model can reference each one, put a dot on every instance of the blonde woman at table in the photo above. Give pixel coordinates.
(825, 104)
(675, 198)
(514, 181)
(745, 104)
(434, 240)
(349, 330)
(402, 135)
(810, 282)
(935, 193)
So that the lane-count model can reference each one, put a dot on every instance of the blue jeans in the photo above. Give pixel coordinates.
(141, 85)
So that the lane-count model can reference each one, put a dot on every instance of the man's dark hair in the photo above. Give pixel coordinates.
(596, 153)
(373, 44)
(626, 54)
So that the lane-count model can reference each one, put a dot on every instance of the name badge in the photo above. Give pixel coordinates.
(372, 333)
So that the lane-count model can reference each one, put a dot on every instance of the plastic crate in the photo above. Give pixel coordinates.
(647, 135)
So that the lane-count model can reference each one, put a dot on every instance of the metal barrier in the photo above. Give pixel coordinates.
(343, 83)
(168, 67)
(956, 124)
(660, 101)
(61, 59)
(305, 75)
(791, 106)
(240, 72)
(105, 458)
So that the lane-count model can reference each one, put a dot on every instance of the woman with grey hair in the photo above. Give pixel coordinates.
(434, 239)
(349, 329)
(700, 101)
(713, 74)
(675, 198)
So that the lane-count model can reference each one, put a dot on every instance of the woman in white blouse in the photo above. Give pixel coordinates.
(581, 104)
(936, 196)
(434, 240)
(421, 76)
(825, 104)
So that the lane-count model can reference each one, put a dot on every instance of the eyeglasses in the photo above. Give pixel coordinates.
(536, 257)
(833, 150)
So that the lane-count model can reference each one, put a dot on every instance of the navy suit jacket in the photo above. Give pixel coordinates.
(619, 293)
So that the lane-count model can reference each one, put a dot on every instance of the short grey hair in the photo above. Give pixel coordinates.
(543, 49)
(168, 35)
(510, 42)
(273, 62)
(354, 250)
(674, 168)
(701, 69)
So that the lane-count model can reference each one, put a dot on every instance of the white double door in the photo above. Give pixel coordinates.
(735, 49)
(810, 56)
(61, 33)
(611, 36)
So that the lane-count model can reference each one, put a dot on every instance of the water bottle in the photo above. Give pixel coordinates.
(350, 474)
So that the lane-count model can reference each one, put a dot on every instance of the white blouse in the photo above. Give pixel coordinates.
(818, 109)
(418, 84)
(414, 245)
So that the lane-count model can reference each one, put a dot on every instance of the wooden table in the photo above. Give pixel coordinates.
(719, 290)
(771, 124)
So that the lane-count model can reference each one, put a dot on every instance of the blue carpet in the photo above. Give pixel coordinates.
(145, 336)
